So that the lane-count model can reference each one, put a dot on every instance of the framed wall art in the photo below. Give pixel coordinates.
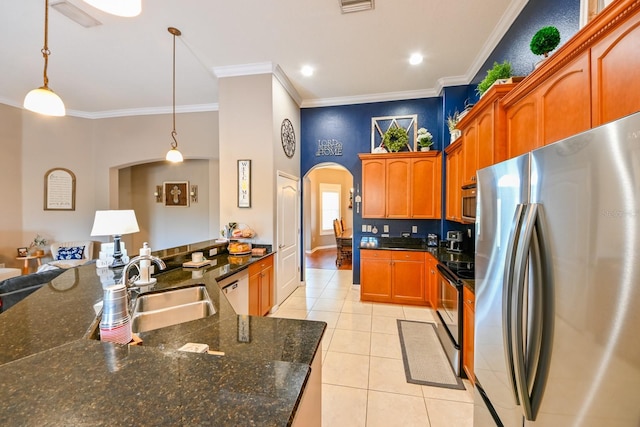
(244, 183)
(176, 193)
(59, 190)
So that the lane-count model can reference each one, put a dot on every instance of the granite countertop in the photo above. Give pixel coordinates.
(418, 244)
(52, 374)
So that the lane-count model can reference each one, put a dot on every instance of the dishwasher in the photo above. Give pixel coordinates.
(236, 289)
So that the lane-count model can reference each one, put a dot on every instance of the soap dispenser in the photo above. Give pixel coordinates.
(145, 265)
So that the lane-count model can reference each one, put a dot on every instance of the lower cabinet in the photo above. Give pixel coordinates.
(431, 282)
(393, 276)
(261, 286)
(468, 321)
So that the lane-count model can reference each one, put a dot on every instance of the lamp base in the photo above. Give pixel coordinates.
(117, 253)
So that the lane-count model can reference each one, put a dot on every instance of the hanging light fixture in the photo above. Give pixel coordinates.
(174, 155)
(43, 100)
(126, 8)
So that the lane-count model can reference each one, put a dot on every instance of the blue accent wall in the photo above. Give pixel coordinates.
(350, 125)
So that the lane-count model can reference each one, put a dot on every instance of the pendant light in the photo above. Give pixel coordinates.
(43, 100)
(125, 8)
(174, 155)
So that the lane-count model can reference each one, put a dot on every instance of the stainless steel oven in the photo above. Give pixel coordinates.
(469, 203)
(449, 316)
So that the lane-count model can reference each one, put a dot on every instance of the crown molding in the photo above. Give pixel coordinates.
(367, 99)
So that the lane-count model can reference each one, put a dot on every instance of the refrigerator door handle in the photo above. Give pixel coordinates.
(532, 351)
(507, 297)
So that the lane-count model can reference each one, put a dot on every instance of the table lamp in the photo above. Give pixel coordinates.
(115, 223)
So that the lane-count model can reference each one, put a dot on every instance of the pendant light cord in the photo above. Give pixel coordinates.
(45, 50)
(174, 144)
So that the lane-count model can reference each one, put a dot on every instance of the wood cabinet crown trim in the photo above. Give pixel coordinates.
(495, 93)
(401, 155)
(603, 24)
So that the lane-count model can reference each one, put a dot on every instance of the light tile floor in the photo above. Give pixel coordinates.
(362, 372)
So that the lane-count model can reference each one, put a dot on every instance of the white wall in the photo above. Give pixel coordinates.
(94, 150)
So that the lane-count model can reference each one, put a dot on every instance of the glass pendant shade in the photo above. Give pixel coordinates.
(125, 8)
(174, 156)
(44, 101)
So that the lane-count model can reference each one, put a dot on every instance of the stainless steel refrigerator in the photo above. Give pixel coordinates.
(557, 326)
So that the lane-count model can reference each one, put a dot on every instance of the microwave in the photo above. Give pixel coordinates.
(469, 203)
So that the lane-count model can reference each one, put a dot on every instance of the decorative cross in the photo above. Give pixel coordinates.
(175, 192)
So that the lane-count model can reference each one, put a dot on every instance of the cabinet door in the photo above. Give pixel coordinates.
(565, 102)
(375, 275)
(373, 188)
(266, 289)
(431, 281)
(407, 277)
(469, 154)
(468, 322)
(426, 187)
(522, 131)
(488, 144)
(453, 195)
(398, 173)
(615, 62)
(254, 292)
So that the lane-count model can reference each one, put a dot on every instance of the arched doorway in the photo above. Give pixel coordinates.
(319, 243)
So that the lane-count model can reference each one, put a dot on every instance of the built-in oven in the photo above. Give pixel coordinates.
(469, 193)
(449, 315)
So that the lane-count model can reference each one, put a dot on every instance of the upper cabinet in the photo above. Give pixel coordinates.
(483, 130)
(591, 80)
(453, 202)
(401, 185)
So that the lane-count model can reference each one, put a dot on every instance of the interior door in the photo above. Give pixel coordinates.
(288, 236)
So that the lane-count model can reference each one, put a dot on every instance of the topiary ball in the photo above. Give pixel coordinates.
(545, 40)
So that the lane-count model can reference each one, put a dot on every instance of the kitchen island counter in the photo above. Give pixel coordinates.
(51, 373)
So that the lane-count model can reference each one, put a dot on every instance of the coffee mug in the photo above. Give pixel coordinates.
(197, 257)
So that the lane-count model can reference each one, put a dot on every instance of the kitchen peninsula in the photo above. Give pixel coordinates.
(53, 373)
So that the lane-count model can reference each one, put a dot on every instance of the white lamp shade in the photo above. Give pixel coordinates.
(111, 223)
(174, 156)
(44, 101)
(126, 8)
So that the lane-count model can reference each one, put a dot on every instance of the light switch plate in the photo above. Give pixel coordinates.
(414, 229)
(364, 228)
(368, 229)
(385, 228)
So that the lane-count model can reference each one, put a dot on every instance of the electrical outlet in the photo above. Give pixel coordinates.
(213, 251)
(414, 229)
(385, 228)
(368, 229)
(364, 228)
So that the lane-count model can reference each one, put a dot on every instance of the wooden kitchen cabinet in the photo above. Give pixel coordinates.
(426, 189)
(407, 277)
(374, 179)
(453, 197)
(431, 280)
(522, 127)
(615, 61)
(401, 185)
(261, 286)
(469, 163)
(468, 322)
(392, 276)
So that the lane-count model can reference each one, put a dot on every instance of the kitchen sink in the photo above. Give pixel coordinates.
(159, 309)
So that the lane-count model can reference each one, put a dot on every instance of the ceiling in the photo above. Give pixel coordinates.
(124, 66)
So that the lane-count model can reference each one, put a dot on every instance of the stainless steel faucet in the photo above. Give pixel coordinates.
(135, 261)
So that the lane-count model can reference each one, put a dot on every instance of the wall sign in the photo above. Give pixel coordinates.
(244, 183)
(59, 190)
(329, 147)
(176, 194)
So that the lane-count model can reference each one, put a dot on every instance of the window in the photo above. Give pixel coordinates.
(329, 206)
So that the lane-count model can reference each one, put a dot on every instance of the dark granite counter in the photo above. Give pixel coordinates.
(52, 374)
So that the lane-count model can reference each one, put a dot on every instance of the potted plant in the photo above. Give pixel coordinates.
(395, 138)
(425, 139)
(452, 124)
(37, 245)
(498, 72)
(544, 41)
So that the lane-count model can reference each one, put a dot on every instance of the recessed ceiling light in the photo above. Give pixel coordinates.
(307, 70)
(415, 59)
